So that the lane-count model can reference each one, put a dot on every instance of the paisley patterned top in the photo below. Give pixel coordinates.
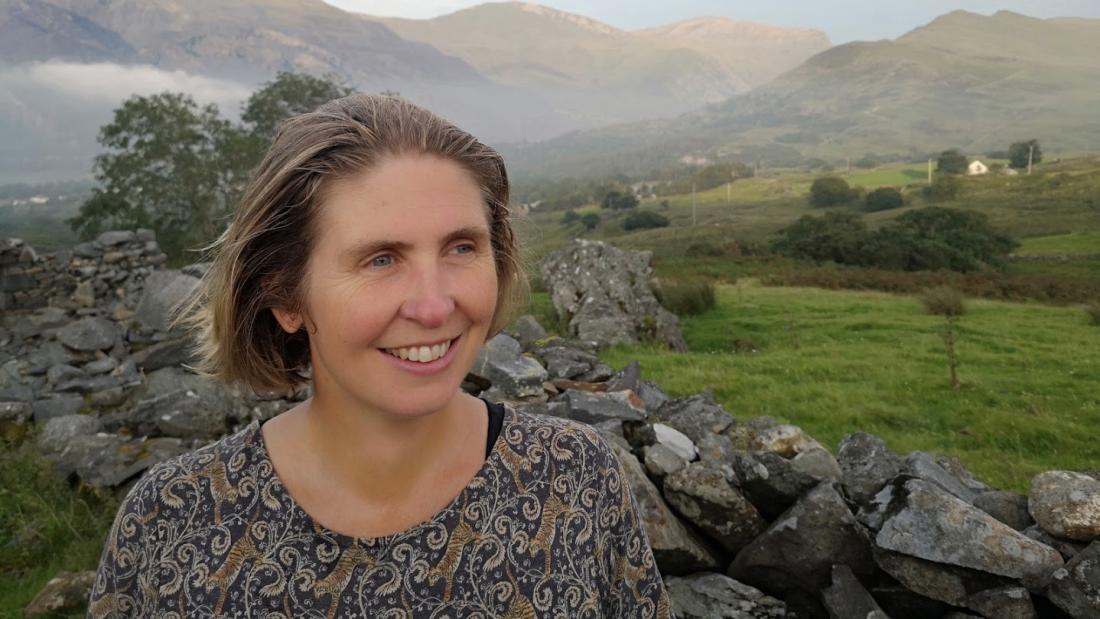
(546, 528)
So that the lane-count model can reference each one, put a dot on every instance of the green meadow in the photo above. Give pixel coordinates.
(835, 363)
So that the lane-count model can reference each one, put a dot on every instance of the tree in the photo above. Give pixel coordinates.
(943, 188)
(971, 239)
(831, 191)
(164, 168)
(838, 237)
(952, 162)
(285, 96)
(644, 220)
(882, 199)
(617, 200)
(590, 221)
(1018, 154)
(569, 217)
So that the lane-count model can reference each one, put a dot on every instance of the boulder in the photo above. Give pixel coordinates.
(527, 331)
(88, 334)
(676, 549)
(503, 364)
(598, 407)
(716, 596)
(177, 403)
(1075, 588)
(164, 290)
(573, 364)
(770, 482)
(846, 598)
(64, 594)
(676, 441)
(945, 472)
(696, 416)
(786, 440)
(605, 296)
(866, 465)
(1008, 507)
(60, 431)
(1066, 504)
(957, 533)
(794, 557)
(702, 494)
(660, 461)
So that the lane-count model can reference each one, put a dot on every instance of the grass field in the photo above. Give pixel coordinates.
(1074, 243)
(840, 362)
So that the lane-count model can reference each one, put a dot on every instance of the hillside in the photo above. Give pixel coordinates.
(934, 88)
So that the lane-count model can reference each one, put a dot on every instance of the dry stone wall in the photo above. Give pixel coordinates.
(747, 517)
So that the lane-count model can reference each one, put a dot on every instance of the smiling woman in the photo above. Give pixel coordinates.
(372, 257)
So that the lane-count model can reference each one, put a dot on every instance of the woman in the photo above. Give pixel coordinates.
(372, 250)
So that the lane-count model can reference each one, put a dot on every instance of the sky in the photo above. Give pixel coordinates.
(842, 20)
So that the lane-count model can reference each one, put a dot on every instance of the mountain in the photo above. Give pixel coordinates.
(749, 53)
(964, 80)
(36, 30)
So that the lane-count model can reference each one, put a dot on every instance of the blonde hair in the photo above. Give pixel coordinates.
(259, 261)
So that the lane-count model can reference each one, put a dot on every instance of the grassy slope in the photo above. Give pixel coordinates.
(839, 362)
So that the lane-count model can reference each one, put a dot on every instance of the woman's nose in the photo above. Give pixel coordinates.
(428, 300)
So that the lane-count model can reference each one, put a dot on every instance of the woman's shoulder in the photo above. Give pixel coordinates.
(565, 439)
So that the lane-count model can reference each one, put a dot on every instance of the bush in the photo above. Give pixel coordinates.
(590, 221)
(685, 297)
(704, 249)
(952, 162)
(943, 301)
(616, 200)
(836, 237)
(1018, 154)
(569, 217)
(882, 199)
(944, 187)
(831, 191)
(644, 220)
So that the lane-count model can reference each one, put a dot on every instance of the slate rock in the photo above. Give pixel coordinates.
(817, 463)
(660, 461)
(717, 448)
(717, 596)
(59, 431)
(528, 331)
(163, 354)
(946, 473)
(846, 598)
(163, 291)
(866, 465)
(1066, 547)
(957, 533)
(89, 334)
(797, 552)
(1008, 507)
(597, 407)
(786, 440)
(60, 405)
(696, 416)
(957, 586)
(1075, 588)
(703, 495)
(1066, 504)
(502, 363)
(676, 441)
(676, 548)
(770, 482)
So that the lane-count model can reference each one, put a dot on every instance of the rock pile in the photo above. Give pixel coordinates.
(748, 518)
(604, 294)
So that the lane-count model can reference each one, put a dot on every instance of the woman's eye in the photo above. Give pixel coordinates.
(465, 248)
(384, 260)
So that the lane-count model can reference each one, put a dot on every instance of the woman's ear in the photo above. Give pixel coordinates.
(289, 321)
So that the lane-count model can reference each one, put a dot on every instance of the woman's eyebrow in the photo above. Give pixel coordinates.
(367, 248)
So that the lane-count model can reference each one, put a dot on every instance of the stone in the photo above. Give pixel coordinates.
(701, 493)
(1066, 504)
(957, 533)
(111, 238)
(901, 603)
(1075, 588)
(598, 407)
(676, 441)
(627, 378)
(100, 366)
(660, 461)
(59, 405)
(846, 598)
(528, 331)
(65, 593)
(176, 403)
(163, 354)
(717, 596)
(696, 416)
(1008, 507)
(163, 291)
(48, 354)
(566, 362)
(62, 372)
(676, 549)
(786, 440)
(866, 465)
(59, 431)
(15, 412)
(794, 557)
(716, 448)
(817, 463)
(88, 334)
(108, 398)
(502, 363)
(945, 473)
(1009, 602)
(770, 482)
(939, 581)
(1067, 548)
(604, 295)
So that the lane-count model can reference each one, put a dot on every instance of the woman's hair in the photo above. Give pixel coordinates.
(259, 261)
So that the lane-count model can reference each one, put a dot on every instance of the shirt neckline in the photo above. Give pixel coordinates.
(479, 480)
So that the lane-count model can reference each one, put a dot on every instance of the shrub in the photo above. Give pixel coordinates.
(951, 162)
(837, 237)
(831, 191)
(685, 297)
(703, 249)
(943, 301)
(590, 221)
(644, 220)
(944, 187)
(617, 200)
(569, 217)
(882, 199)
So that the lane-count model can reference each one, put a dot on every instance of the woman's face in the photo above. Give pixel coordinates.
(402, 267)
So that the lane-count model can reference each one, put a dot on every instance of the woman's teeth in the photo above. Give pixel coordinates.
(423, 354)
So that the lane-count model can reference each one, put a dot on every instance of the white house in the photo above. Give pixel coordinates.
(975, 168)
